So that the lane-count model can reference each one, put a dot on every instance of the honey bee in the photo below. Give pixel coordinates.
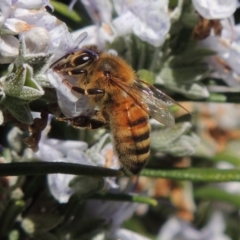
(123, 102)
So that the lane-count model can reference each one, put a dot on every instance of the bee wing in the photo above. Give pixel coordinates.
(151, 100)
(157, 103)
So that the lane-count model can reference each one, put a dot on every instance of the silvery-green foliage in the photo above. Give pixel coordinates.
(175, 141)
(23, 83)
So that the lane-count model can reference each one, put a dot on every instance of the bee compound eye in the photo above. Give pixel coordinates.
(83, 59)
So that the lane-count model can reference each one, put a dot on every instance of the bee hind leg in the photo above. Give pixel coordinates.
(87, 122)
(90, 122)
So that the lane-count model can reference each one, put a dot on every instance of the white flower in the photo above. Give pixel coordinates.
(99, 10)
(59, 183)
(43, 32)
(11, 23)
(97, 35)
(9, 26)
(103, 156)
(215, 9)
(225, 64)
(101, 14)
(42, 39)
(176, 229)
(149, 20)
(32, 4)
(54, 150)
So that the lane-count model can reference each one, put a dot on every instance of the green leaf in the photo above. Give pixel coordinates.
(36, 63)
(189, 17)
(30, 94)
(191, 57)
(195, 174)
(223, 97)
(183, 80)
(45, 221)
(125, 198)
(13, 82)
(182, 74)
(19, 110)
(192, 90)
(22, 85)
(146, 76)
(64, 10)
(43, 81)
(228, 156)
(162, 138)
(216, 194)
(184, 146)
(39, 62)
(31, 90)
(220, 97)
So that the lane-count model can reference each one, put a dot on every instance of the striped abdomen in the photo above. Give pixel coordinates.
(130, 128)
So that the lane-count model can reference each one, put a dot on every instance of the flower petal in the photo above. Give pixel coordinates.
(32, 4)
(15, 26)
(215, 9)
(99, 10)
(37, 40)
(154, 29)
(9, 46)
(65, 146)
(58, 186)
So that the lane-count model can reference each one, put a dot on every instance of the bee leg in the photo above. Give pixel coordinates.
(98, 120)
(94, 91)
(91, 91)
(74, 89)
(87, 122)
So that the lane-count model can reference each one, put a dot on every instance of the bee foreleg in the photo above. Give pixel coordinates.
(73, 88)
(94, 91)
(90, 91)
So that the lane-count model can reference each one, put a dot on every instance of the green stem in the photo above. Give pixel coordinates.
(195, 174)
(125, 198)
(216, 194)
(42, 168)
(223, 97)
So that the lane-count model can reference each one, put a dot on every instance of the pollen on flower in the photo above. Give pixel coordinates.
(22, 26)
